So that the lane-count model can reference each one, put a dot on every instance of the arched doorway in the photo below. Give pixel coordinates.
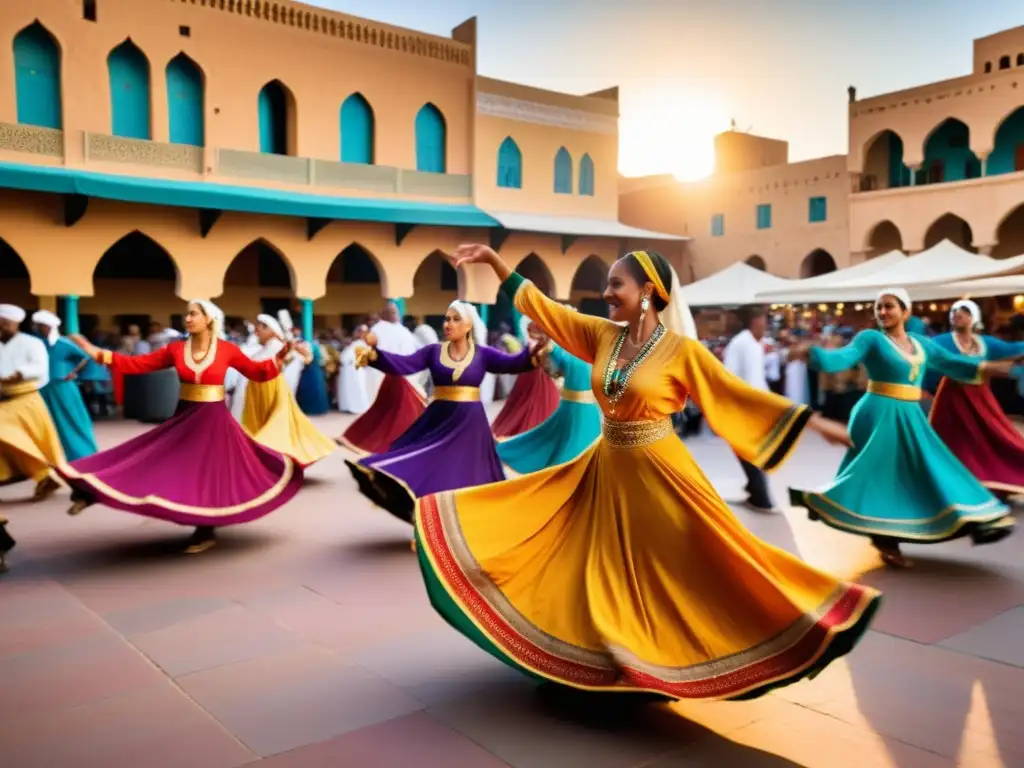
(434, 286)
(588, 285)
(1010, 235)
(258, 281)
(354, 289)
(134, 283)
(536, 271)
(1008, 153)
(883, 163)
(276, 111)
(884, 237)
(950, 227)
(817, 262)
(15, 285)
(948, 155)
(757, 263)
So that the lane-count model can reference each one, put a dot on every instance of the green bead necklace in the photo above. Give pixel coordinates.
(616, 380)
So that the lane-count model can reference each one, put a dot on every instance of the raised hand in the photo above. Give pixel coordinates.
(473, 253)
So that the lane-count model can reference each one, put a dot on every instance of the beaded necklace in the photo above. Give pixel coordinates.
(616, 380)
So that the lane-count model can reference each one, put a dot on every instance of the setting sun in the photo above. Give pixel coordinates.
(669, 129)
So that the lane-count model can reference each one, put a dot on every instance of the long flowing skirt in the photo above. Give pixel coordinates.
(273, 419)
(449, 446)
(534, 397)
(901, 482)
(71, 418)
(198, 468)
(312, 392)
(29, 442)
(570, 430)
(970, 421)
(625, 571)
(397, 406)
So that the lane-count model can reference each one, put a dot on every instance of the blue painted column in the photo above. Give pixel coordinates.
(70, 314)
(307, 319)
(485, 311)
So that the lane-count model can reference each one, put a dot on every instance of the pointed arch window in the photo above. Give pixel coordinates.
(563, 172)
(510, 164)
(586, 176)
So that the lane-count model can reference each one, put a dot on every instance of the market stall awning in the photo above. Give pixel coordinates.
(734, 286)
(798, 288)
(986, 287)
(576, 227)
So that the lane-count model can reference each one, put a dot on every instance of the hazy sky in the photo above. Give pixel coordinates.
(685, 67)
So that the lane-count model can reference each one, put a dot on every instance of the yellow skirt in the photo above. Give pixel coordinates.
(29, 443)
(624, 570)
(273, 418)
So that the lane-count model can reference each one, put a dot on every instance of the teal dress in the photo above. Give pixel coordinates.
(311, 393)
(565, 434)
(899, 481)
(64, 401)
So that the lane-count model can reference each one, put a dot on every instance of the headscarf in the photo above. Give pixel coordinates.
(899, 293)
(215, 314)
(13, 313)
(49, 320)
(676, 316)
(272, 324)
(971, 307)
(468, 311)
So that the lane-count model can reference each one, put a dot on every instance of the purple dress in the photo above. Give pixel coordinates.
(450, 445)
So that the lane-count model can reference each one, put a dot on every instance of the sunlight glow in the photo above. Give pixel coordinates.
(669, 129)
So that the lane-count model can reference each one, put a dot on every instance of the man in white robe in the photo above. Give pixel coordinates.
(394, 338)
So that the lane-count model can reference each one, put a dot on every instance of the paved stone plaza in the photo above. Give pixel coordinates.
(306, 639)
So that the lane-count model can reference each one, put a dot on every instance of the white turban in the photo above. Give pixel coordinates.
(971, 307)
(12, 313)
(213, 312)
(272, 324)
(49, 320)
(899, 293)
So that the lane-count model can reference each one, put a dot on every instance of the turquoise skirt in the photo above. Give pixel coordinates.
(900, 481)
(71, 418)
(563, 436)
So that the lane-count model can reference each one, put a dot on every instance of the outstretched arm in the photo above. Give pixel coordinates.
(263, 370)
(387, 362)
(845, 358)
(127, 364)
(502, 362)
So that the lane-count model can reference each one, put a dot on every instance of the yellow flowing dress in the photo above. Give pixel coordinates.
(272, 417)
(29, 442)
(623, 570)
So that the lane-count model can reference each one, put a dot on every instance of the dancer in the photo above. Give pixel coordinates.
(899, 483)
(398, 402)
(295, 363)
(271, 415)
(352, 395)
(450, 445)
(534, 396)
(29, 442)
(570, 430)
(61, 394)
(312, 392)
(967, 416)
(199, 468)
(624, 570)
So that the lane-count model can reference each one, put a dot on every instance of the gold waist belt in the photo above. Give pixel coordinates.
(19, 388)
(895, 391)
(635, 434)
(578, 396)
(458, 394)
(201, 393)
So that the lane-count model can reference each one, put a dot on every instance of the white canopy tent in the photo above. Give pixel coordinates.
(932, 270)
(733, 286)
(798, 288)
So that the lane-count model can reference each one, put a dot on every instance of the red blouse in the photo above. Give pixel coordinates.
(210, 370)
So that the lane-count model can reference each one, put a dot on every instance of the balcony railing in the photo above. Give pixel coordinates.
(321, 175)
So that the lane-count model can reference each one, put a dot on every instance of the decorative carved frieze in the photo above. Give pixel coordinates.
(115, 149)
(32, 139)
(544, 114)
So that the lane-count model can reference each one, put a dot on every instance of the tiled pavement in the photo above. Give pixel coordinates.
(306, 640)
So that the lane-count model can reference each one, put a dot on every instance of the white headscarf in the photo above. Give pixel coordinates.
(272, 324)
(49, 320)
(215, 314)
(468, 311)
(12, 313)
(971, 307)
(677, 316)
(899, 293)
(286, 323)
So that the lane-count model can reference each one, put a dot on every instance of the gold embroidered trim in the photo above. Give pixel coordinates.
(201, 393)
(906, 392)
(585, 396)
(457, 366)
(198, 369)
(635, 434)
(457, 394)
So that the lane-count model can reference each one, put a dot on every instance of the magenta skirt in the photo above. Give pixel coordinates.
(198, 468)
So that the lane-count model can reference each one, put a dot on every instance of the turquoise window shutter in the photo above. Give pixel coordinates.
(586, 175)
(357, 130)
(510, 164)
(563, 172)
(431, 140)
(128, 69)
(37, 83)
(185, 101)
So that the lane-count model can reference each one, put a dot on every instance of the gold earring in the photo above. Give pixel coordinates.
(645, 304)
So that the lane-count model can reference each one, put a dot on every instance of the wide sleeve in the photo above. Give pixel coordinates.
(955, 366)
(262, 370)
(502, 362)
(579, 334)
(844, 358)
(72, 352)
(761, 427)
(135, 364)
(399, 365)
(997, 349)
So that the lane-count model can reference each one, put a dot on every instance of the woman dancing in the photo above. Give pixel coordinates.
(450, 445)
(271, 414)
(624, 570)
(534, 395)
(570, 430)
(899, 483)
(968, 417)
(199, 468)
